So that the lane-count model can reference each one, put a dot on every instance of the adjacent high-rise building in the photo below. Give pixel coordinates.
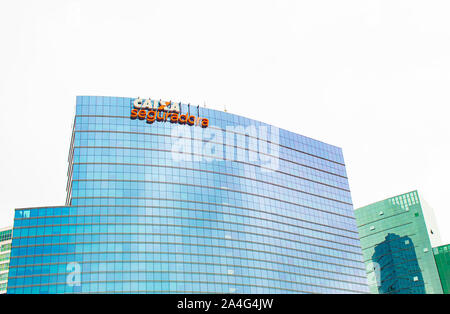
(442, 257)
(397, 236)
(5, 251)
(164, 197)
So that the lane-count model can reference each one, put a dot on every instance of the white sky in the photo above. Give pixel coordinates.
(369, 76)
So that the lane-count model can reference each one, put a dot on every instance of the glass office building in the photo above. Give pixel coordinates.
(161, 203)
(397, 236)
(5, 251)
(442, 258)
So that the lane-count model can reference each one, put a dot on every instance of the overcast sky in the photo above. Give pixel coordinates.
(371, 77)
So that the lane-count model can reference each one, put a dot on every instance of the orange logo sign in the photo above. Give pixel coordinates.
(152, 110)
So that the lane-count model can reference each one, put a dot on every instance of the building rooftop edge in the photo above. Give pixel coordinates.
(362, 207)
(286, 130)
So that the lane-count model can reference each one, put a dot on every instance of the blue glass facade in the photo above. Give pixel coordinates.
(268, 212)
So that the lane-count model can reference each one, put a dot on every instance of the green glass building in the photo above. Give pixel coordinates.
(442, 257)
(5, 253)
(397, 236)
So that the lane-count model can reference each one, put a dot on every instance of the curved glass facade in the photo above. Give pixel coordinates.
(238, 206)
